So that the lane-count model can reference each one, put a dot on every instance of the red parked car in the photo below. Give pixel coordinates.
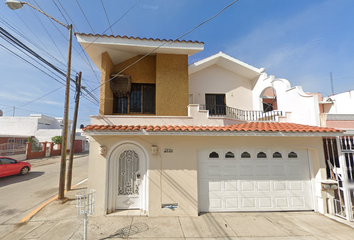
(10, 166)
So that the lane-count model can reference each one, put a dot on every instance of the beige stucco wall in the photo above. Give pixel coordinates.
(106, 94)
(171, 85)
(218, 80)
(173, 176)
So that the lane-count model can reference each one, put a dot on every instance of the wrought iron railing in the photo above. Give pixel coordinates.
(238, 114)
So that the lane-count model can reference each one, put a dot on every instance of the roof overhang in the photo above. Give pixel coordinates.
(230, 63)
(212, 133)
(123, 48)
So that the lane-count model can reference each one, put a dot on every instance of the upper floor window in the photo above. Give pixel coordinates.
(140, 100)
(215, 103)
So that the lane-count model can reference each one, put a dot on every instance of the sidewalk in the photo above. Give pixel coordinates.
(52, 159)
(59, 221)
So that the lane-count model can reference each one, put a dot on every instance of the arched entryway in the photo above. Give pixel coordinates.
(269, 99)
(127, 177)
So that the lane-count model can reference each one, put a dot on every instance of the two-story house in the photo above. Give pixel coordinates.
(216, 136)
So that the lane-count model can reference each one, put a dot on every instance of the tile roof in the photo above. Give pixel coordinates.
(137, 38)
(243, 127)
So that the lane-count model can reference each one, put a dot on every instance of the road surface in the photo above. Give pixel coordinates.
(20, 195)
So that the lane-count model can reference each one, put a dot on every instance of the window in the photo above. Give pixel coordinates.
(292, 155)
(245, 155)
(261, 155)
(214, 155)
(277, 155)
(215, 103)
(5, 161)
(141, 100)
(229, 155)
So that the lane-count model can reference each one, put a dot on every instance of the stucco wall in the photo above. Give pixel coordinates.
(303, 107)
(143, 71)
(171, 85)
(18, 126)
(218, 80)
(106, 94)
(173, 176)
(343, 103)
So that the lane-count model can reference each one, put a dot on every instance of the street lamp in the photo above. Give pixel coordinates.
(14, 5)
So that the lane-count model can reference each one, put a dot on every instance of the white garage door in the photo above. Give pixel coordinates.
(254, 180)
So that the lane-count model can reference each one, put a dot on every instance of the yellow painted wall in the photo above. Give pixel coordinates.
(171, 85)
(143, 71)
(106, 94)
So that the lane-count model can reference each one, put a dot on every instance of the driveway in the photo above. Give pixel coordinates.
(59, 221)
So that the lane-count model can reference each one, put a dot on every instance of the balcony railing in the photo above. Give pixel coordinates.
(238, 114)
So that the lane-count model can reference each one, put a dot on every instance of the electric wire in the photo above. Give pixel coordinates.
(5, 21)
(12, 40)
(112, 25)
(166, 43)
(77, 29)
(32, 101)
(66, 21)
(85, 16)
(45, 29)
(109, 24)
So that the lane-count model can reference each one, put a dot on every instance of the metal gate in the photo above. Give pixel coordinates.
(339, 154)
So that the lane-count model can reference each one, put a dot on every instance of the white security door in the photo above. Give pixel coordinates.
(254, 180)
(129, 180)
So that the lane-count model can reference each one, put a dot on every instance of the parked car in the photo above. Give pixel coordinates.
(10, 166)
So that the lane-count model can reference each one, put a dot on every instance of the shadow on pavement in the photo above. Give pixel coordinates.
(129, 231)
(4, 181)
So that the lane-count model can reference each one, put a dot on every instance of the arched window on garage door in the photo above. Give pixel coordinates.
(277, 155)
(213, 155)
(261, 155)
(245, 155)
(229, 155)
(292, 155)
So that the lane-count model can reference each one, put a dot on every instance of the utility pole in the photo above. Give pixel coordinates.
(331, 83)
(73, 132)
(13, 114)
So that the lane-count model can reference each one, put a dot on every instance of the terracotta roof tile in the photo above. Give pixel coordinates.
(137, 38)
(243, 127)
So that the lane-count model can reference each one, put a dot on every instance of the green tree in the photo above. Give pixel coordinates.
(57, 139)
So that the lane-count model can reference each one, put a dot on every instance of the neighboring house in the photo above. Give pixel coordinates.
(37, 126)
(216, 136)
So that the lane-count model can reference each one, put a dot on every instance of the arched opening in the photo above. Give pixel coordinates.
(269, 99)
(127, 186)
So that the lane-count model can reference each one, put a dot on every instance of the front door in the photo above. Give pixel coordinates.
(129, 180)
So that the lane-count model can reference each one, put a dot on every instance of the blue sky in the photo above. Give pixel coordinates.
(302, 41)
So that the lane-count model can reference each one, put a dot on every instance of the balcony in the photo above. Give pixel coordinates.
(242, 115)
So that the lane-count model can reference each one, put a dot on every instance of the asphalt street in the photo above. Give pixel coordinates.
(22, 194)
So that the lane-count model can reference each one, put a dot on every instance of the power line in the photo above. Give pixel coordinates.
(69, 16)
(112, 25)
(109, 24)
(85, 16)
(164, 43)
(40, 97)
(66, 21)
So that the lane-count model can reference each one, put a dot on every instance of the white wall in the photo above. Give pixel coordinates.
(343, 103)
(302, 107)
(216, 79)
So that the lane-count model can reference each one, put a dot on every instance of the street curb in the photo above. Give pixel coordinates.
(35, 211)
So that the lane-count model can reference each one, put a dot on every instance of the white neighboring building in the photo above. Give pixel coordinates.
(41, 127)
